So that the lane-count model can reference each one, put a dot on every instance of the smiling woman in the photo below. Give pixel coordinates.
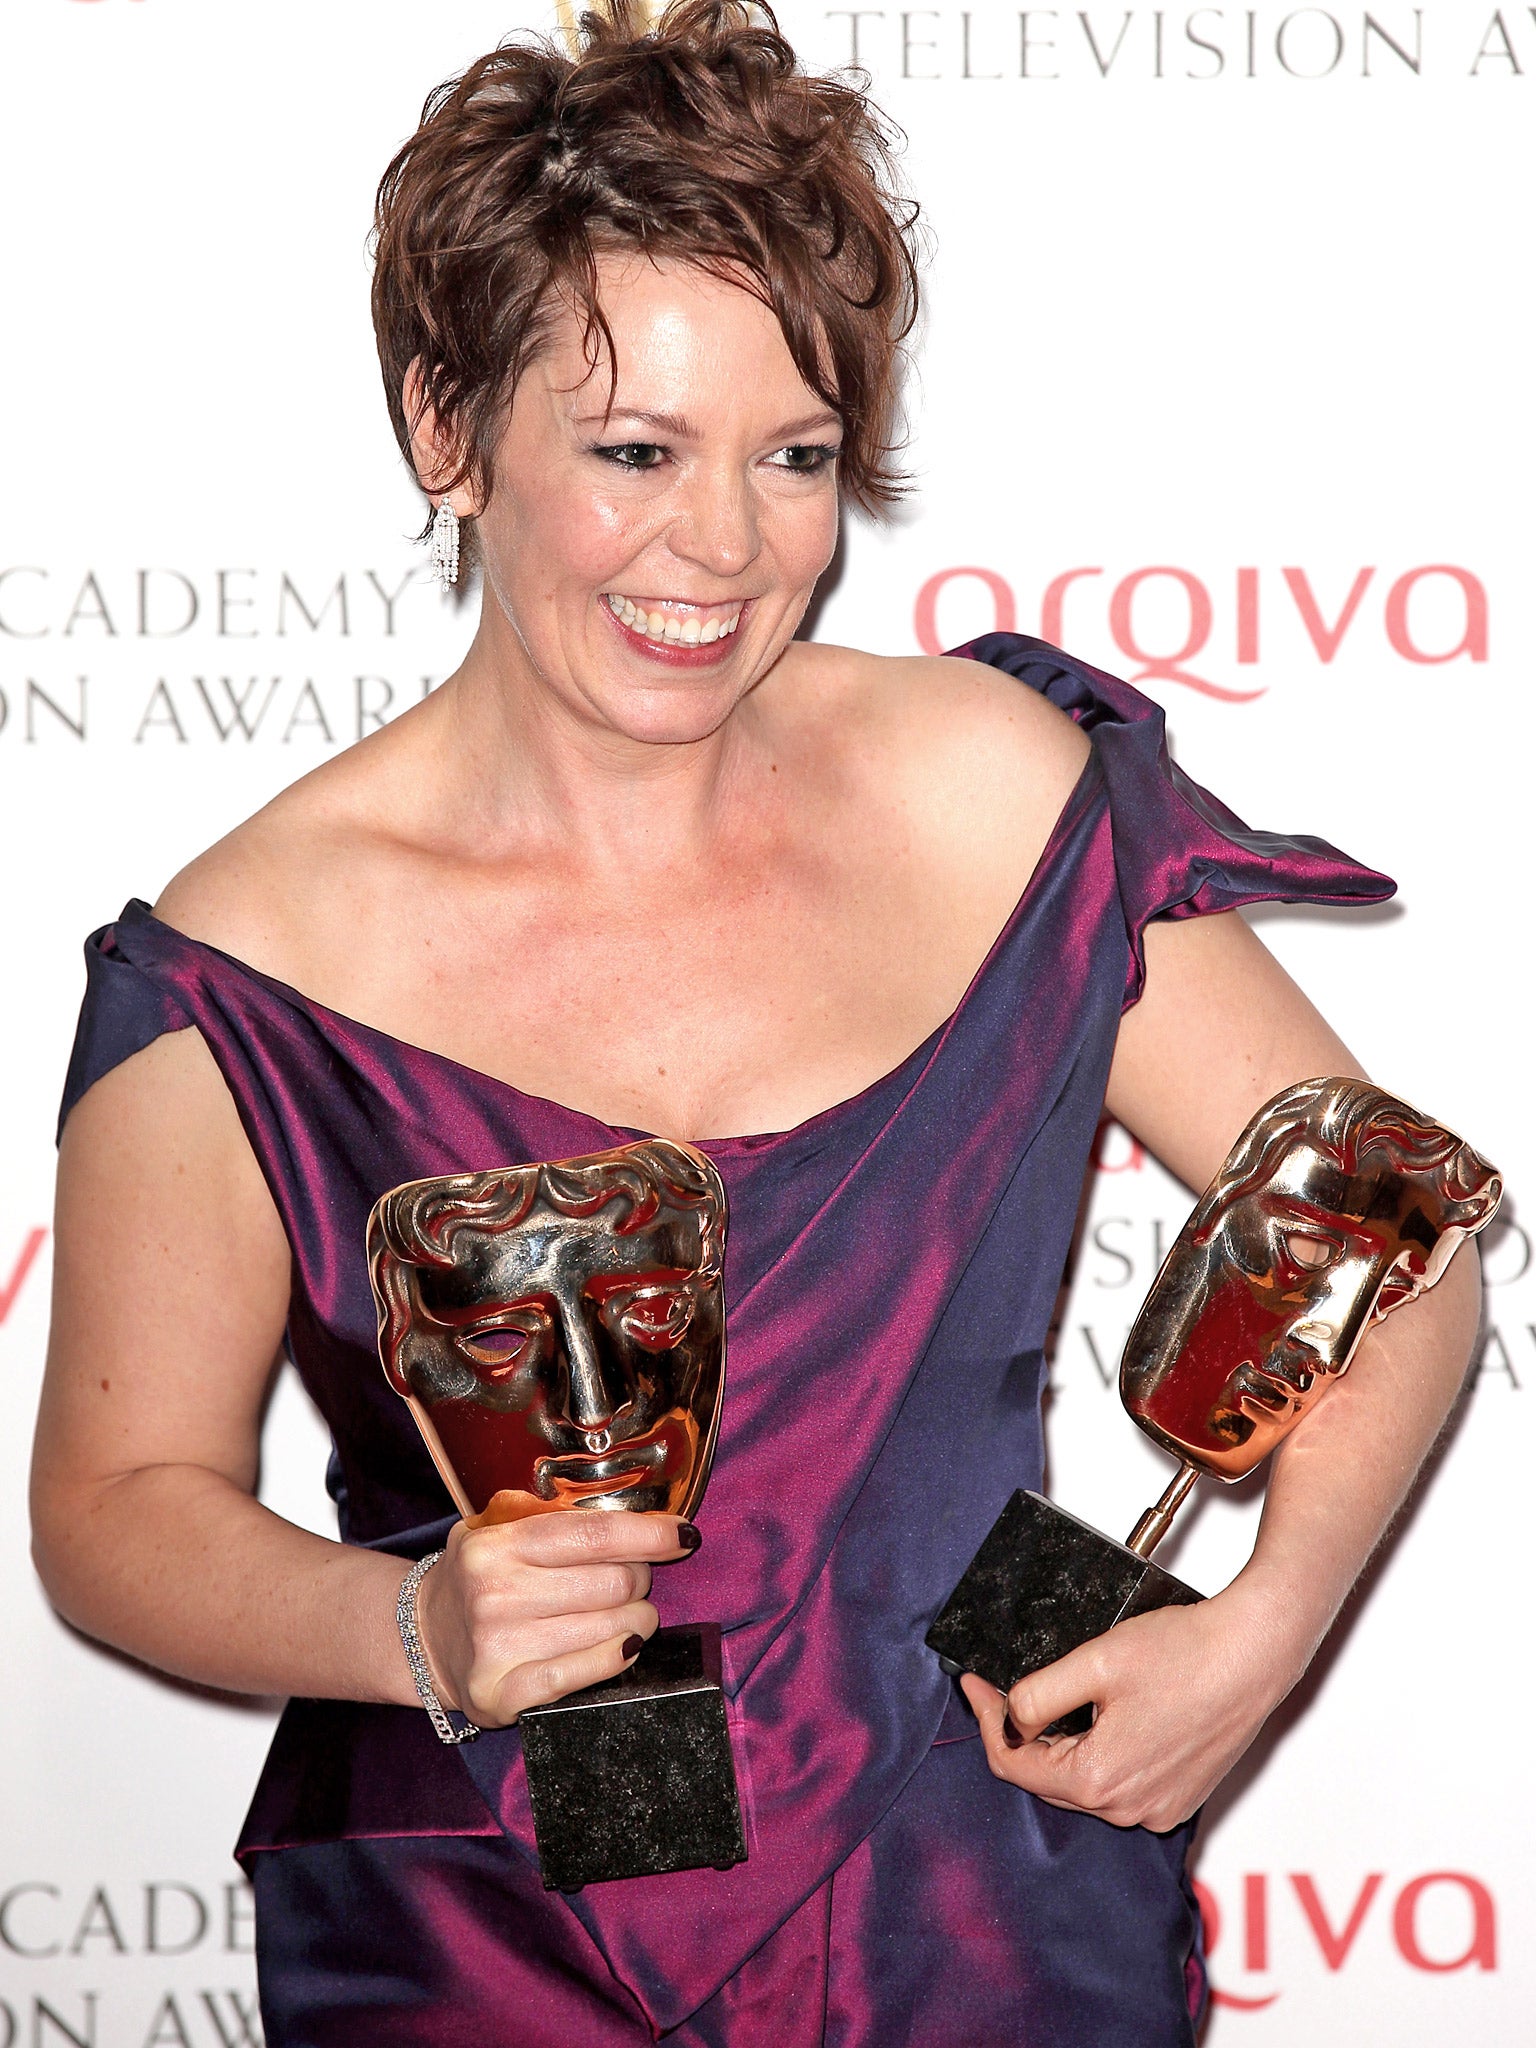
(662, 515)
(880, 938)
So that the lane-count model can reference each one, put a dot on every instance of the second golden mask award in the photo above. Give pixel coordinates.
(1337, 1204)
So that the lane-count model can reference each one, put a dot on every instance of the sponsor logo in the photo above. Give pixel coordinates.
(1161, 618)
(1441, 1921)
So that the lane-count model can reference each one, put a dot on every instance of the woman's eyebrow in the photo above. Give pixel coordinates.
(682, 429)
(664, 422)
(813, 423)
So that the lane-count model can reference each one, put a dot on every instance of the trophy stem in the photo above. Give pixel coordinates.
(1156, 1522)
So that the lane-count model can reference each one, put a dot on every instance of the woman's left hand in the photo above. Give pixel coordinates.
(1180, 1695)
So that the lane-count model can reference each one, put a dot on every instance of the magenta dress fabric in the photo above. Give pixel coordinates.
(890, 1277)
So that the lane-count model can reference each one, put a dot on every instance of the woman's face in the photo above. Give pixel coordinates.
(654, 559)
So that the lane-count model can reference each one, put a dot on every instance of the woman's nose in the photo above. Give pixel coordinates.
(717, 524)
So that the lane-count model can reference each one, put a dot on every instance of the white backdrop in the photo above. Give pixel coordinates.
(1230, 313)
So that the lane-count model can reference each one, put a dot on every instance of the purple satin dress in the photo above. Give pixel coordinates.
(891, 1273)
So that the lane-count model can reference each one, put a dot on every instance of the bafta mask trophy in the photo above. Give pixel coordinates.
(1338, 1204)
(558, 1332)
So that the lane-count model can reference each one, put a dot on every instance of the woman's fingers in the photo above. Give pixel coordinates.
(1058, 1769)
(550, 1563)
(1039, 1700)
(1073, 1681)
(517, 1607)
(568, 1664)
(587, 1537)
(573, 1589)
(999, 1731)
(1178, 1700)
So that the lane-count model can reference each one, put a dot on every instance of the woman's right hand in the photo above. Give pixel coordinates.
(521, 1613)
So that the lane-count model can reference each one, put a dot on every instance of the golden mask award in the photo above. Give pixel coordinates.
(558, 1331)
(1337, 1204)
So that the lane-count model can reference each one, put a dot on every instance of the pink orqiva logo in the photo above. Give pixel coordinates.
(1161, 617)
(1441, 1921)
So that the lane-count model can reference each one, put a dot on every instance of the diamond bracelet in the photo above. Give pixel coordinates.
(416, 1656)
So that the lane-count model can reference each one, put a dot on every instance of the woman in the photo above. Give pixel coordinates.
(647, 863)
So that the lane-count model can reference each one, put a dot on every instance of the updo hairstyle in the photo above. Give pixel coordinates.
(698, 139)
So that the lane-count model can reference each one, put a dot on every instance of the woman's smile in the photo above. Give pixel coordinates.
(674, 630)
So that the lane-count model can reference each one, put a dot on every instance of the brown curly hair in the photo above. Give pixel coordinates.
(697, 138)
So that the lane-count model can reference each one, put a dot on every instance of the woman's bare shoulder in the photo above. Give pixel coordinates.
(277, 890)
(959, 732)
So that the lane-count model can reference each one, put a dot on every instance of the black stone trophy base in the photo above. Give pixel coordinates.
(1041, 1584)
(634, 1777)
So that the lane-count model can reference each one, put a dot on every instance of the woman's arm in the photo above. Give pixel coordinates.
(1220, 1029)
(171, 1285)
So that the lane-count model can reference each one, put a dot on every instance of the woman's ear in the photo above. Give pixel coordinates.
(432, 449)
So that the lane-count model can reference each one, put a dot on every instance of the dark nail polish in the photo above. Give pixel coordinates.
(688, 1538)
(1011, 1734)
(633, 1645)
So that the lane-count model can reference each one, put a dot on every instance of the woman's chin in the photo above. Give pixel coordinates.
(670, 725)
(669, 713)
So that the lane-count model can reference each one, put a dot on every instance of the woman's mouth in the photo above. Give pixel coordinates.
(674, 629)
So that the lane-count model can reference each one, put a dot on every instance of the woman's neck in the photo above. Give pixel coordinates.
(519, 758)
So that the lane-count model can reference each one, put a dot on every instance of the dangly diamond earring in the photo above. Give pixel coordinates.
(445, 545)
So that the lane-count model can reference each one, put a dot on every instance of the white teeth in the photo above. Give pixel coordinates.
(667, 627)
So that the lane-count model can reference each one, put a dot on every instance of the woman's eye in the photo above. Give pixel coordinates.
(633, 454)
(804, 458)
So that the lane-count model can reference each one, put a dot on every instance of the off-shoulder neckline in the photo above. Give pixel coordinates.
(136, 911)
